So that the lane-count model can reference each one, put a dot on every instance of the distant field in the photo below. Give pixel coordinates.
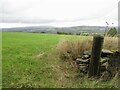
(30, 60)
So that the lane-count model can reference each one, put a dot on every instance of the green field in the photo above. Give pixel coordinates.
(30, 60)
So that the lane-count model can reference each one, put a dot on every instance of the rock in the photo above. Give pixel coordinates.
(105, 64)
(104, 60)
(79, 60)
(86, 65)
(106, 53)
(83, 69)
(81, 64)
(85, 57)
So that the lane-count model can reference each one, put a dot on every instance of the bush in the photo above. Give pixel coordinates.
(43, 32)
(65, 33)
(112, 32)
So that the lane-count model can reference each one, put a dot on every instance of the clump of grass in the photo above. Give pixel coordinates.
(71, 49)
(111, 43)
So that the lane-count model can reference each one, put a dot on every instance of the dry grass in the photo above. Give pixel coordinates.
(111, 43)
(116, 80)
(71, 49)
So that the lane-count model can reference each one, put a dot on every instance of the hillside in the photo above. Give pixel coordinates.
(47, 29)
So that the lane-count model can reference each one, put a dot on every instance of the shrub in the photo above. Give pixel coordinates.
(112, 32)
(42, 32)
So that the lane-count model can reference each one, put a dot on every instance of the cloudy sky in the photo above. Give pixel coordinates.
(59, 13)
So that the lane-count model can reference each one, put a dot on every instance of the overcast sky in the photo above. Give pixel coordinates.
(58, 12)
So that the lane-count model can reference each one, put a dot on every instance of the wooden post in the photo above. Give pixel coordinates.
(95, 55)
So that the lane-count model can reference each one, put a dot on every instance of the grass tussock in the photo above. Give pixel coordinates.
(74, 48)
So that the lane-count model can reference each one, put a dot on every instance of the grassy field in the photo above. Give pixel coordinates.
(30, 60)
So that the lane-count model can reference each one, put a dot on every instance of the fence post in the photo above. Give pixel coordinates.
(95, 55)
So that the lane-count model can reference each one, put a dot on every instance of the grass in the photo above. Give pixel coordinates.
(31, 60)
(19, 66)
(111, 43)
(74, 48)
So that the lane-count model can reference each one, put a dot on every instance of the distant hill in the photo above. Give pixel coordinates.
(49, 29)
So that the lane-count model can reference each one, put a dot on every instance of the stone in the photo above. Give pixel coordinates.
(104, 60)
(83, 69)
(106, 53)
(84, 65)
(79, 60)
(85, 57)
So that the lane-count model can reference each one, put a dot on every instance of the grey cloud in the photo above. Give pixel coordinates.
(13, 12)
(24, 20)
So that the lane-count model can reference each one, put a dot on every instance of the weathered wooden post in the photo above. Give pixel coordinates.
(95, 55)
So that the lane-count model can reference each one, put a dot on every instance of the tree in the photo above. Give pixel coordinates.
(112, 32)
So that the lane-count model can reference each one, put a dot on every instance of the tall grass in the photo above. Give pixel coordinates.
(111, 43)
(74, 48)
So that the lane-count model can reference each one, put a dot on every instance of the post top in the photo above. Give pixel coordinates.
(98, 36)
